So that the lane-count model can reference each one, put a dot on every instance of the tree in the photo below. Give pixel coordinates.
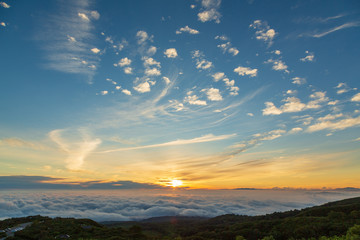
(353, 233)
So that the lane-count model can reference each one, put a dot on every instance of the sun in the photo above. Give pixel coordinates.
(176, 183)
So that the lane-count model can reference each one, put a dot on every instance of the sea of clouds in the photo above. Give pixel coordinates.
(123, 205)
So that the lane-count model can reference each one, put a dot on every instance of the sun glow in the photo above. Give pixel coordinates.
(176, 183)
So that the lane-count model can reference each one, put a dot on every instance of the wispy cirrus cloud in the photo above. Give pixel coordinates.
(76, 150)
(67, 38)
(202, 139)
(18, 142)
(343, 26)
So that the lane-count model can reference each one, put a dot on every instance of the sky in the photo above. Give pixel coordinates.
(193, 94)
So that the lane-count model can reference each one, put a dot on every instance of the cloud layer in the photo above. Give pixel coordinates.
(126, 205)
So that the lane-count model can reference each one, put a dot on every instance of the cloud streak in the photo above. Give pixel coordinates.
(343, 26)
(202, 139)
(67, 40)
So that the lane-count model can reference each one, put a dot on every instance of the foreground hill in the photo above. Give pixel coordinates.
(340, 218)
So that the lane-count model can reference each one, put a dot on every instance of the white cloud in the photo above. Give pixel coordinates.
(202, 139)
(152, 50)
(192, 6)
(92, 66)
(175, 104)
(330, 117)
(213, 94)
(58, 37)
(271, 109)
(224, 46)
(233, 51)
(77, 150)
(197, 54)
(95, 15)
(142, 36)
(84, 17)
(104, 92)
(277, 52)
(150, 62)
(345, 25)
(298, 80)
(124, 62)
(143, 87)
(203, 64)
(193, 100)
(128, 70)
(118, 87)
(278, 65)
(271, 135)
(343, 88)
(332, 103)
(308, 58)
(319, 97)
(210, 11)
(95, 50)
(242, 71)
(71, 39)
(218, 76)
(109, 40)
(305, 120)
(263, 31)
(293, 104)
(222, 37)
(4, 5)
(230, 85)
(188, 30)
(127, 92)
(167, 80)
(171, 53)
(3, 24)
(291, 92)
(121, 45)
(295, 130)
(356, 98)
(335, 125)
(152, 72)
(139, 204)
(250, 114)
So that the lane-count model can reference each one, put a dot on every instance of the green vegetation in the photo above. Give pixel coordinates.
(332, 221)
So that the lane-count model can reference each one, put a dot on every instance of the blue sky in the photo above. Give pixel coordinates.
(216, 94)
